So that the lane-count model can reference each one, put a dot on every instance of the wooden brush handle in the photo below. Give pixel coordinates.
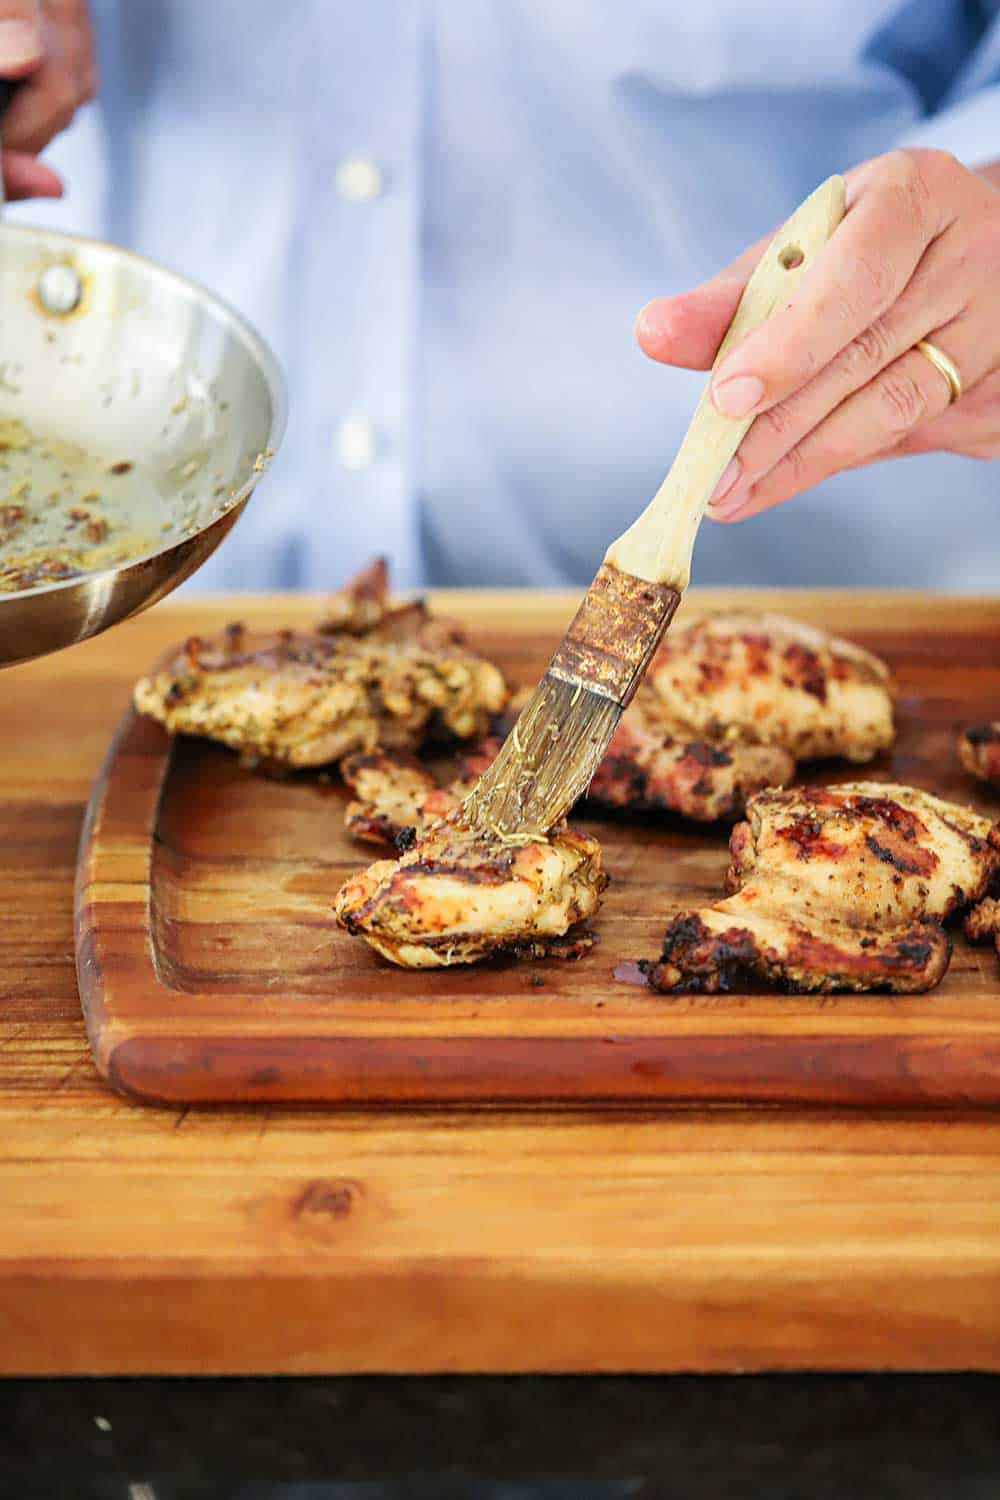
(658, 546)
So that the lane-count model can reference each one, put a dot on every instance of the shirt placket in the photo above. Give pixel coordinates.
(358, 295)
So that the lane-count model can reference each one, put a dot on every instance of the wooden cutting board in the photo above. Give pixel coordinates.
(210, 968)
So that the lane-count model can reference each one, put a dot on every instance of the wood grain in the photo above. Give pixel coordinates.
(247, 1239)
(211, 971)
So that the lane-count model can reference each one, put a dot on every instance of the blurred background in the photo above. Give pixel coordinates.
(445, 219)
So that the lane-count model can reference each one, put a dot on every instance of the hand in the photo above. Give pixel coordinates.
(51, 46)
(834, 377)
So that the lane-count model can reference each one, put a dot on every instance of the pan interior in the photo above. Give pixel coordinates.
(67, 510)
(127, 424)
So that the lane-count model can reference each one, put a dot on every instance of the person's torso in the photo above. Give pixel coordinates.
(454, 311)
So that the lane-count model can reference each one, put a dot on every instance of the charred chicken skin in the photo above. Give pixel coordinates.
(397, 799)
(788, 690)
(456, 898)
(642, 770)
(979, 751)
(766, 680)
(368, 676)
(983, 922)
(393, 794)
(730, 703)
(650, 767)
(835, 888)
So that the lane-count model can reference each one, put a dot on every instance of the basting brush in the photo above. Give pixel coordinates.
(550, 757)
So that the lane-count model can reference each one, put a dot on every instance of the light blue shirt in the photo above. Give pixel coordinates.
(445, 215)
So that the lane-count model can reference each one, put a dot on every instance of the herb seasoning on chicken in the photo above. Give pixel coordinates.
(397, 798)
(672, 752)
(370, 675)
(731, 703)
(457, 897)
(835, 888)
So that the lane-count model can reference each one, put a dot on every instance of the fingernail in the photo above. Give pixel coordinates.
(730, 474)
(727, 507)
(737, 397)
(20, 44)
(647, 325)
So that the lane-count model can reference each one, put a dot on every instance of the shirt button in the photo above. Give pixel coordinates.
(359, 179)
(356, 443)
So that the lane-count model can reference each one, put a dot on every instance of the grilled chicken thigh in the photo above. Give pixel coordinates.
(457, 897)
(396, 798)
(983, 922)
(729, 705)
(767, 680)
(392, 793)
(368, 676)
(650, 766)
(835, 888)
(979, 750)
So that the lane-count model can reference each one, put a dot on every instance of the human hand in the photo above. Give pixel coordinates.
(834, 378)
(49, 44)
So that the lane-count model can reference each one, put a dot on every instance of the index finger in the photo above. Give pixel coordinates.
(891, 218)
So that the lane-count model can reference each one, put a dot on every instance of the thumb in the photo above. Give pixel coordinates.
(687, 330)
(21, 44)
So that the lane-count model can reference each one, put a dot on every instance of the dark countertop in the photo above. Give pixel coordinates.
(783, 1437)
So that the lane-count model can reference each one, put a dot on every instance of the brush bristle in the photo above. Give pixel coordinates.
(547, 761)
(549, 758)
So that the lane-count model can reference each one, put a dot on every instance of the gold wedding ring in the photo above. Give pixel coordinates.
(942, 363)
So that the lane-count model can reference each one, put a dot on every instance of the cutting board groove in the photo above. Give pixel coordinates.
(210, 969)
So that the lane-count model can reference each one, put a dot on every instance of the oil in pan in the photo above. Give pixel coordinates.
(65, 511)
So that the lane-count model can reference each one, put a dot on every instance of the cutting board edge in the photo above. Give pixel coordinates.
(349, 1070)
(134, 861)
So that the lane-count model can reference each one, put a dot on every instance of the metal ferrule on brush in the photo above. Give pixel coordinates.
(549, 759)
(614, 634)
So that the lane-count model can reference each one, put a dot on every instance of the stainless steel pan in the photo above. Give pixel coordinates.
(172, 398)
